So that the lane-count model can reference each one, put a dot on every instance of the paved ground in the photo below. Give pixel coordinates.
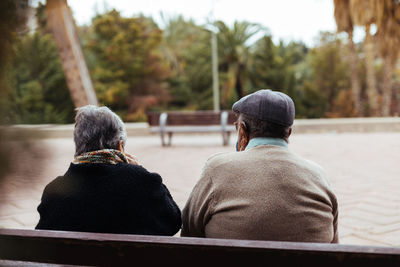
(363, 168)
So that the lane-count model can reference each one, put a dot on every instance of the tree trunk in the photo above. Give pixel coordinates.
(238, 85)
(355, 79)
(387, 85)
(398, 101)
(62, 26)
(372, 91)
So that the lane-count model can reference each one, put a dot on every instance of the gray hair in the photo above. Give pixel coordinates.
(97, 128)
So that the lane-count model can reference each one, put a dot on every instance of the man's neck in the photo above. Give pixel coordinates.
(271, 141)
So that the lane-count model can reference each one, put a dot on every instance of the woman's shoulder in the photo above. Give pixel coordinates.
(138, 172)
(121, 173)
(58, 186)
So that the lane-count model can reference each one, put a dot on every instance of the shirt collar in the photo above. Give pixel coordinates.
(258, 141)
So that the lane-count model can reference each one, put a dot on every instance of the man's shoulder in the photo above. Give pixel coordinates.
(306, 163)
(309, 168)
(222, 158)
(260, 155)
(244, 157)
(224, 164)
(314, 165)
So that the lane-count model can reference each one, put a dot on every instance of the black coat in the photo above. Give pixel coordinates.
(106, 198)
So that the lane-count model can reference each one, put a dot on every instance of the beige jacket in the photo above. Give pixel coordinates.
(264, 193)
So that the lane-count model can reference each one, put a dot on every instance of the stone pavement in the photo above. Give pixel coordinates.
(363, 168)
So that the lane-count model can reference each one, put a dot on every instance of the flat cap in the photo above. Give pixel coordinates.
(267, 105)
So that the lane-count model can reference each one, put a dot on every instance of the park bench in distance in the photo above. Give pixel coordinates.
(167, 123)
(34, 247)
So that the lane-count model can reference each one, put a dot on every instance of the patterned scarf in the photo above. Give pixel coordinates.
(108, 156)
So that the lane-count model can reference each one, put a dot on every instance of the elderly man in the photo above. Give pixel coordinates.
(104, 189)
(264, 191)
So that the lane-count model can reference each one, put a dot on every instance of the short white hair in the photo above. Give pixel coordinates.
(97, 128)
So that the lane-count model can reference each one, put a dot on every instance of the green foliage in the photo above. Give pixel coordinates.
(39, 90)
(329, 74)
(127, 61)
(10, 21)
(279, 67)
(271, 66)
(186, 47)
(34, 89)
(234, 57)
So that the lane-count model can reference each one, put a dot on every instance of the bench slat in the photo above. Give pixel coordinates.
(190, 118)
(192, 128)
(112, 250)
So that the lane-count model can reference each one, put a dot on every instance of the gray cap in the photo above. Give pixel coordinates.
(267, 105)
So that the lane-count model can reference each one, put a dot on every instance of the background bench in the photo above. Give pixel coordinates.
(167, 123)
(74, 248)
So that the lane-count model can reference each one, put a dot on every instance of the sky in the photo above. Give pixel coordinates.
(289, 20)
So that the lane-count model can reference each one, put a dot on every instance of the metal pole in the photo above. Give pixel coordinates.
(215, 70)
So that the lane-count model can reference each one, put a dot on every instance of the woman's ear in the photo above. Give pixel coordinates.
(121, 145)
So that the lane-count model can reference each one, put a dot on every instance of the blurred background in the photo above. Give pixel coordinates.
(335, 58)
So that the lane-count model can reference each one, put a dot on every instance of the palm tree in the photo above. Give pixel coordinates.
(388, 37)
(344, 23)
(178, 35)
(363, 13)
(186, 48)
(234, 56)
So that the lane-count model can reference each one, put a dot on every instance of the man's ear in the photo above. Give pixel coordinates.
(243, 137)
(288, 135)
(121, 145)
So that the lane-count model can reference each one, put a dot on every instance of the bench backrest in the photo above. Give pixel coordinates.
(114, 250)
(190, 118)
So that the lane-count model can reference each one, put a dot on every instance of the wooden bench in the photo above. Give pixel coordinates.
(30, 247)
(167, 123)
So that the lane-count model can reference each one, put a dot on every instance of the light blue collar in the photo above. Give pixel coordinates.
(258, 141)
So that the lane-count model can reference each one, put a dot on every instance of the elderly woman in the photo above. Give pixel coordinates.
(104, 189)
